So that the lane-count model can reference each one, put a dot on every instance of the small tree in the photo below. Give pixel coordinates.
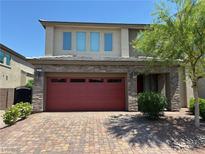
(178, 37)
(30, 83)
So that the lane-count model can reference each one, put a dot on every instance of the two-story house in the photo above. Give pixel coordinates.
(92, 66)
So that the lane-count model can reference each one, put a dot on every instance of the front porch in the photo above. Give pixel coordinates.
(155, 82)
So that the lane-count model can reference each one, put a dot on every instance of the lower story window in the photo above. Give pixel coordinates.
(114, 80)
(58, 80)
(96, 80)
(77, 80)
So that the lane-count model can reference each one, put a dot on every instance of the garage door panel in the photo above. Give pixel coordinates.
(85, 94)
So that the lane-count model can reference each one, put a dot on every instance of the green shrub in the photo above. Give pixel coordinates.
(30, 83)
(201, 106)
(202, 110)
(25, 109)
(11, 115)
(151, 104)
(20, 110)
(191, 105)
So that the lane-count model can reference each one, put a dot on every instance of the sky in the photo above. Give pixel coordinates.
(21, 31)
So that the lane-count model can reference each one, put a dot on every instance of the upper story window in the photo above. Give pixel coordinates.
(108, 42)
(1, 57)
(81, 41)
(94, 41)
(67, 40)
(8, 59)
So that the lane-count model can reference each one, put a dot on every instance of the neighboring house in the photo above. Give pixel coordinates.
(15, 70)
(92, 66)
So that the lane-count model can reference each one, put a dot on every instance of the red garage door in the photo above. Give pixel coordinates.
(85, 94)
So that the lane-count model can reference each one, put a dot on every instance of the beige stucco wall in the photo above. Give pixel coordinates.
(132, 36)
(49, 41)
(186, 90)
(201, 85)
(54, 41)
(16, 74)
(189, 90)
(124, 42)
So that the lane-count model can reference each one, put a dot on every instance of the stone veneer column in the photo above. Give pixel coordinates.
(174, 90)
(38, 91)
(162, 84)
(132, 92)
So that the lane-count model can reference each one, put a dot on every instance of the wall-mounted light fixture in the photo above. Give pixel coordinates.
(38, 72)
(133, 75)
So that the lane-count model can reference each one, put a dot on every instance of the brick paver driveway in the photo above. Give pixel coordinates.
(102, 132)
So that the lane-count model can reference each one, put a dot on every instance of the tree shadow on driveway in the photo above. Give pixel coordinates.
(177, 133)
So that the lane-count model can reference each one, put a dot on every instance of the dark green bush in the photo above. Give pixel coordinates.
(25, 109)
(151, 104)
(11, 115)
(201, 106)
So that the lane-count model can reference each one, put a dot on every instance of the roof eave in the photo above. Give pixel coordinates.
(45, 23)
(12, 51)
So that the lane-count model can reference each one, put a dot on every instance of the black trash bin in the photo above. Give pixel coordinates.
(22, 94)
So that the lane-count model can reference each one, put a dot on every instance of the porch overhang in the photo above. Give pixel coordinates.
(103, 61)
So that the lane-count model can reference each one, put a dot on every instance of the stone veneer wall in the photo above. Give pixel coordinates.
(38, 98)
(132, 91)
(174, 90)
(132, 71)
